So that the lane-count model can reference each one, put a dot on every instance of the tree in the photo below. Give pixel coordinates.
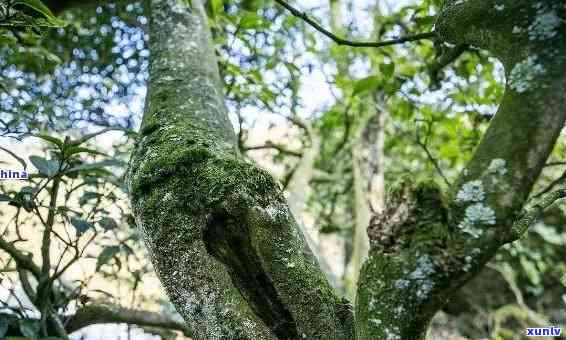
(228, 249)
(207, 215)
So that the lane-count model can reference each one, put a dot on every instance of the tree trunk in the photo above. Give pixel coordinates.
(220, 235)
(426, 244)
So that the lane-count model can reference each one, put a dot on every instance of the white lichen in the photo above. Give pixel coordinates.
(376, 322)
(372, 304)
(424, 289)
(477, 215)
(545, 26)
(425, 267)
(525, 73)
(497, 167)
(392, 334)
(399, 311)
(401, 284)
(517, 30)
(471, 192)
(499, 7)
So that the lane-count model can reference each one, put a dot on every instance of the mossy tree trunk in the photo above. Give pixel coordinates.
(221, 237)
(427, 243)
(225, 244)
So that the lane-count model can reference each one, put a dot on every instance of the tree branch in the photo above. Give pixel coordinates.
(425, 245)
(271, 145)
(341, 41)
(22, 260)
(105, 314)
(448, 56)
(97, 314)
(59, 6)
(531, 213)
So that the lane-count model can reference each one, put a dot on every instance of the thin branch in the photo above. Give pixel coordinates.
(271, 145)
(341, 41)
(554, 164)
(434, 161)
(22, 260)
(46, 242)
(96, 314)
(551, 186)
(448, 56)
(533, 212)
(99, 314)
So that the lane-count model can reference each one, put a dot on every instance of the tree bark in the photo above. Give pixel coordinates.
(426, 244)
(220, 235)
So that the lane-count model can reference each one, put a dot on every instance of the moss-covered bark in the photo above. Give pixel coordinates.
(424, 246)
(220, 235)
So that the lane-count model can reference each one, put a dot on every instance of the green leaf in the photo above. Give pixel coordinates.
(387, 69)
(29, 328)
(214, 8)
(95, 166)
(44, 166)
(250, 20)
(531, 270)
(366, 84)
(59, 143)
(251, 5)
(108, 223)
(38, 6)
(78, 149)
(106, 255)
(80, 224)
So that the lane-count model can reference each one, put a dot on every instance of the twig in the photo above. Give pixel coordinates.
(448, 56)
(429, 154)
(554, 164)
(270, 145)
(342, 41)
(551, 186)
(533, 211)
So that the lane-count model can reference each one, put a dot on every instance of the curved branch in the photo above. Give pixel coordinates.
(270, 145)
(534, 211)
(22, 260)
(107, 314)
(97, 314)
(341, 41)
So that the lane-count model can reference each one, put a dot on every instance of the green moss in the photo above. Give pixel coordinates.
(238, 213)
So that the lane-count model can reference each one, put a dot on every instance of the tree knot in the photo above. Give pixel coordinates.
(409, 210)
